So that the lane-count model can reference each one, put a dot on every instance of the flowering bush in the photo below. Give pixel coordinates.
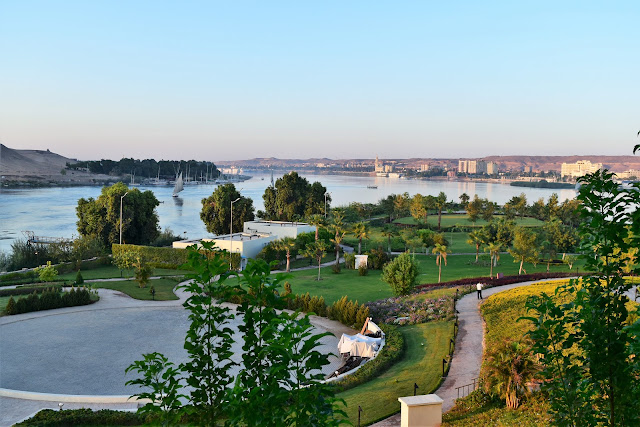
(409, 311)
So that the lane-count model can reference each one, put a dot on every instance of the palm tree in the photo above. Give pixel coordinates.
(389, 232)
(318, 221)
(285, 244)
(494, 252)
(316, 250)
(477, 239)
(509, 368)
(339, 230)
(441, 256)
(440, 204)
(361, 231)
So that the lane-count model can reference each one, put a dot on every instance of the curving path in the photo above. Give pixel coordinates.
(84, 351)
(467, 357)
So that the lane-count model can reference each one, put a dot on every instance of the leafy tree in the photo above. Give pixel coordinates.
(525, 247)
(488, 209)
(474, 208)
(47, 273)
(216, 210)
(79, 278)
(401, 274)
(570, 260)
(124, 260)
(401, 204)
(143, 271)
(316, 250)
(360, 231)
(441, 257)
(293, 198)
(100, 218)
(418, 208)
(508, 369)
(588, 351)
(464, 199)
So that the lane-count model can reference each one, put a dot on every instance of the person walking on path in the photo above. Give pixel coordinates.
(479, 290)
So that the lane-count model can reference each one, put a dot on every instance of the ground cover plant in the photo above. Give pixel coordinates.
(163, 288)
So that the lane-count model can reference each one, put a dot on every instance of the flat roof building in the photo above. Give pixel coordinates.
(279, 229)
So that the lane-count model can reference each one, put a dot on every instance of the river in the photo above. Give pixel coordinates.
(51, 211)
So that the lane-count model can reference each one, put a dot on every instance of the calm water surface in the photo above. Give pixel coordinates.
(51, 211)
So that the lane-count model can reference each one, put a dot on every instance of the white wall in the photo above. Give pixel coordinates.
(277, 229)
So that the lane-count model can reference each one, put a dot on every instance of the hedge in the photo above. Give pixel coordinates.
(506, 280)
(170, 258)
(27, 290)
(84, 416)
(392, 351)
(48, 300)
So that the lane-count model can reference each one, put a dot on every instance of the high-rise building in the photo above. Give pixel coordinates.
(492, 168)
(579, 168)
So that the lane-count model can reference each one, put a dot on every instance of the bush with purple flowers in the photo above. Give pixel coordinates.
(410, 311)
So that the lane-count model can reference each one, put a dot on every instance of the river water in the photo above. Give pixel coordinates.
(51, 211)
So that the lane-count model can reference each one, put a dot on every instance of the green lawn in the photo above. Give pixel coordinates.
(370, 288)
(426, 345)
(462, 220)
(112, 272)
(164, 288)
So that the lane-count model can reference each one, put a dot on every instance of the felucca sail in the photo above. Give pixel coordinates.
(179, 186)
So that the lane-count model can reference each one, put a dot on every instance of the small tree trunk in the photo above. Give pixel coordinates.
(317, 228)
(491, 271)
(439, 272)
(288, 260)
(439, 218)
(319, 261)
(521, 263)
(389, 245)
(360, 247)
(477, 252)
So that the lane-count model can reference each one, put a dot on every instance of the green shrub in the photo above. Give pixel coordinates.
(377, 259)
(79, 278)
(348, 312)
(11, 307)
(363, 270)
(52, 298)
(27, 290)
(165, 257)
(47, 273)
(335, 268)
(349, 261)
(401, 274)
(49, 417)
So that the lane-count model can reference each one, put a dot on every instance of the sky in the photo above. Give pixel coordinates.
(236, 80)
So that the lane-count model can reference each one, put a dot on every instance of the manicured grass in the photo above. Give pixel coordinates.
(164, 288)
(426, 345)
(112, 272)
(455, 220)
(370, 288)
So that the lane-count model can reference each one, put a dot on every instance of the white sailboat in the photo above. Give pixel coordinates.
(179, 185)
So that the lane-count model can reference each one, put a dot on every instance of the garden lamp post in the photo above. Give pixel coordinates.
(231, 233)
(121, 200)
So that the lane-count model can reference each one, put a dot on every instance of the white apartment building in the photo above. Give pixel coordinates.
(279, 229)
(472, 167)
(492, 168)
(579, 168)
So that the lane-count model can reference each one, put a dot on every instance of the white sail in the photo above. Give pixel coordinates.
(179, 186)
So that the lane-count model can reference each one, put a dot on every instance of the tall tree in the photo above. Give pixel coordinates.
(216, 210)
(464, 200)
(293, 198)
(339, 230)
(474, 208)
(525, 247)
(286, 244)
(494, 253)
(418, 208)
(317, 221)
(476, 238)
(440, 204)
(441, 257)
(100, 218)
(389, 231)
(316, 250)
(360, 231)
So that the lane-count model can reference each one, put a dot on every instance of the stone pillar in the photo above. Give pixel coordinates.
(421, 411)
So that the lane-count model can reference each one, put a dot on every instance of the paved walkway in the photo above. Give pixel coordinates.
(467, 358)
(95, 343)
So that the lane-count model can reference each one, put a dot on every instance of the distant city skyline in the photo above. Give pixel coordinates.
(226, 81)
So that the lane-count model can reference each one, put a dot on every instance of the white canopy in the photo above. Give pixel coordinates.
(359, 345)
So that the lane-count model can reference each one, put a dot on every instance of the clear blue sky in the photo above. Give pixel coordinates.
(238, 79)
